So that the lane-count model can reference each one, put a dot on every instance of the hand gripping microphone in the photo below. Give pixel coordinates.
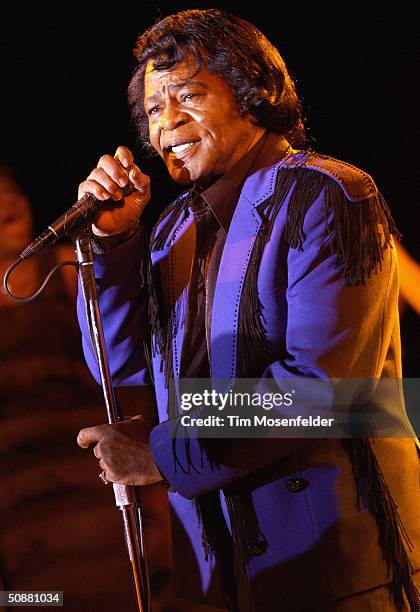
(80, 213)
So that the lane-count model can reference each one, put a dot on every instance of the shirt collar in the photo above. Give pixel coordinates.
(222, 196)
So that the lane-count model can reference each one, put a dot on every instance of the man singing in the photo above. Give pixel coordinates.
(274, 263)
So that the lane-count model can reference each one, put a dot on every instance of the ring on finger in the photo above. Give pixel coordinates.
(102, 477)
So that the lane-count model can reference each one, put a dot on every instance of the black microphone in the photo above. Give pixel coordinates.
(80, 213)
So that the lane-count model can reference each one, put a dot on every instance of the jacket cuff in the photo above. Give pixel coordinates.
(104, 244)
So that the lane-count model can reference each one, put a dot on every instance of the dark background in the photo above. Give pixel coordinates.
(65, 69)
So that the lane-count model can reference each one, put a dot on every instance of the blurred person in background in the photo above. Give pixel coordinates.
(59, 527)
(409, 279)
(409, 309)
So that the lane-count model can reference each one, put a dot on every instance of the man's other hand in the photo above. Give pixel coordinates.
(123, 451)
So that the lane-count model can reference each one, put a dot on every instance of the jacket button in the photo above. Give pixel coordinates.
(295, 485)
(257, 548)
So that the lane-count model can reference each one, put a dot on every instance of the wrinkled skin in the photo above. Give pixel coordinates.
(123, 451)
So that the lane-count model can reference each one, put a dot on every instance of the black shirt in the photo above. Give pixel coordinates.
(213, 209)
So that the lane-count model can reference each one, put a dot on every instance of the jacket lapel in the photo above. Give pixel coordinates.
(174, 263)
(181, 258)
(233, 266)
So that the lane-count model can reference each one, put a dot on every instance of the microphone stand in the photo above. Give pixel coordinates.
(125, 495)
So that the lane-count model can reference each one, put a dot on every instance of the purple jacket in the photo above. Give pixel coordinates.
(303, 491)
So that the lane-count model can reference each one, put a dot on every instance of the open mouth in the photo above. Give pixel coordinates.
(178, 149)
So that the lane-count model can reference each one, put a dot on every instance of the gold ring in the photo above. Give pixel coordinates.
(102, 477)
(126, 169)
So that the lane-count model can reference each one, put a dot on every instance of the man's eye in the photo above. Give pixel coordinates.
(153, 110)
(188, 97)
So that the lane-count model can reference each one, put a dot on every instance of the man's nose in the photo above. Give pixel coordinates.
(172, 116)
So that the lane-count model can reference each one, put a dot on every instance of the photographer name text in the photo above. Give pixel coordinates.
(233, 420)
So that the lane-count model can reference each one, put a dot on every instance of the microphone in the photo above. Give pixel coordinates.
(80, 213)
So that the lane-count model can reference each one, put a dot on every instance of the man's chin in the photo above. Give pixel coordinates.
(180, 174)
(184, 176)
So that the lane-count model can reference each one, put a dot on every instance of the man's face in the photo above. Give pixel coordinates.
(194, 124)
(15, 218)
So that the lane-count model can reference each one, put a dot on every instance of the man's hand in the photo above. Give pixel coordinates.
(107, 181)
(123, 451)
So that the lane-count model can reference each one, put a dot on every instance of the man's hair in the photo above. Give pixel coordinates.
(233, 49)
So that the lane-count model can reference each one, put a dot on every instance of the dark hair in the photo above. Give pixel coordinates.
(237, 52)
